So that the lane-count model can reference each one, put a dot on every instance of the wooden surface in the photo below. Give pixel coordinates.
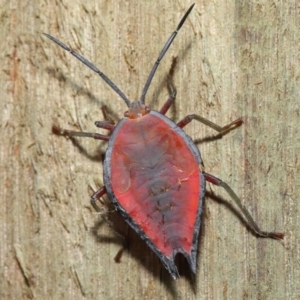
(235, 59)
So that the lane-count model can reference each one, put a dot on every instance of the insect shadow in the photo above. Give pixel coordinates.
(129, 242)
(80, 90)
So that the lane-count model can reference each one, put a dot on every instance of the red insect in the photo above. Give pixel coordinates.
(154, 174)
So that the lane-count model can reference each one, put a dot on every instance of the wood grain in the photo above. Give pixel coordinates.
(235, 59)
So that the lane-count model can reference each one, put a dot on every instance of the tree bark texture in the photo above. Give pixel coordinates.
(235, 59)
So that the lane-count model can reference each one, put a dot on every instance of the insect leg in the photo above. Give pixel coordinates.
(70, 133)
(214, 180)
(171, 88)
(108, 123)
(108, 207)
(172, 97)
(96, 196)
(222, 130)
(106, 115)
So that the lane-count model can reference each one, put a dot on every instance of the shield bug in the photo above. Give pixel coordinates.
(153, 172)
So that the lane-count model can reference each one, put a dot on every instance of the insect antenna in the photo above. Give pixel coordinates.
(91, 66)
(161, 55)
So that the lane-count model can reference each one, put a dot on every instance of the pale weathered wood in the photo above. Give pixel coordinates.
(236, 59)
